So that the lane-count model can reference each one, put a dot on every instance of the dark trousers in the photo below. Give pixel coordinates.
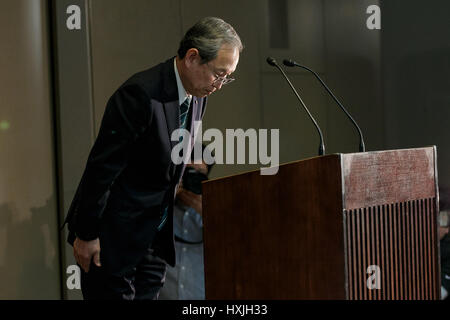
(143, 282)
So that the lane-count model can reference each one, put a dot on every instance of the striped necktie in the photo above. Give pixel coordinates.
(184, 110)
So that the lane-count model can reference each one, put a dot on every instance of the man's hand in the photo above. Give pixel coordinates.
(85, 250)
(190, 199)
(187, 197)
(442, 232)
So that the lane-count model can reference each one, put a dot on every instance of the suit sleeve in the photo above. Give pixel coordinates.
(126, 116)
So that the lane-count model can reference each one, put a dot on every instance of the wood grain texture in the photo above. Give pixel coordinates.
(276, 237)
(377, 178)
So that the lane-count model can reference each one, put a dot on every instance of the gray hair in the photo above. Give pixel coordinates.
(207, 36)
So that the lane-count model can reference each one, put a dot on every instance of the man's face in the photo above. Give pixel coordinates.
(203, 78)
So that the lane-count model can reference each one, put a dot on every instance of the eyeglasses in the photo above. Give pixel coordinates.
(218, 79)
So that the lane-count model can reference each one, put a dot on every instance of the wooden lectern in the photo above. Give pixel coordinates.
(341, 226)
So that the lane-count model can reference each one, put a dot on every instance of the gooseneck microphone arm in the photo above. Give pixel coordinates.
(290, 63)
(271, 61)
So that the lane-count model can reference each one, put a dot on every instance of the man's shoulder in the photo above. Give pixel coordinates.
(152, 73)
(150, 80)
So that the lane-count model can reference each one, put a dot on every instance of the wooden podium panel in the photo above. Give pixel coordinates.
(312, 230)
(390, 202)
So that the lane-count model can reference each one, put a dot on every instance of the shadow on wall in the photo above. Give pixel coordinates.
(29, 254)
(422, 104)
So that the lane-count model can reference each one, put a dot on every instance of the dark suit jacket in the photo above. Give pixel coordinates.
(130, 178)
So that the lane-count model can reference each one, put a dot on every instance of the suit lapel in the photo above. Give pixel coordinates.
(172, 113)
(194, 107)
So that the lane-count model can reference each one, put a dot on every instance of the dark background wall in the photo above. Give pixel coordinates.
(55, 83)
(416, 77)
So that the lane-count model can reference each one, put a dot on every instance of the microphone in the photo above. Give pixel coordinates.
(290, 63)
(271, 61)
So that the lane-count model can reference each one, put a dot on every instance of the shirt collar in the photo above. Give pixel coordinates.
(182, 94)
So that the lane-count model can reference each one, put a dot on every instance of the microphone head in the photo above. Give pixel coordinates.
(271, 61)
(289, 63)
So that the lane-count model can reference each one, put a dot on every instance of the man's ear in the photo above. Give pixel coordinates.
(192, 57)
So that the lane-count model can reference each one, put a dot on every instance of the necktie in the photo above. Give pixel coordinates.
(184, 110)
